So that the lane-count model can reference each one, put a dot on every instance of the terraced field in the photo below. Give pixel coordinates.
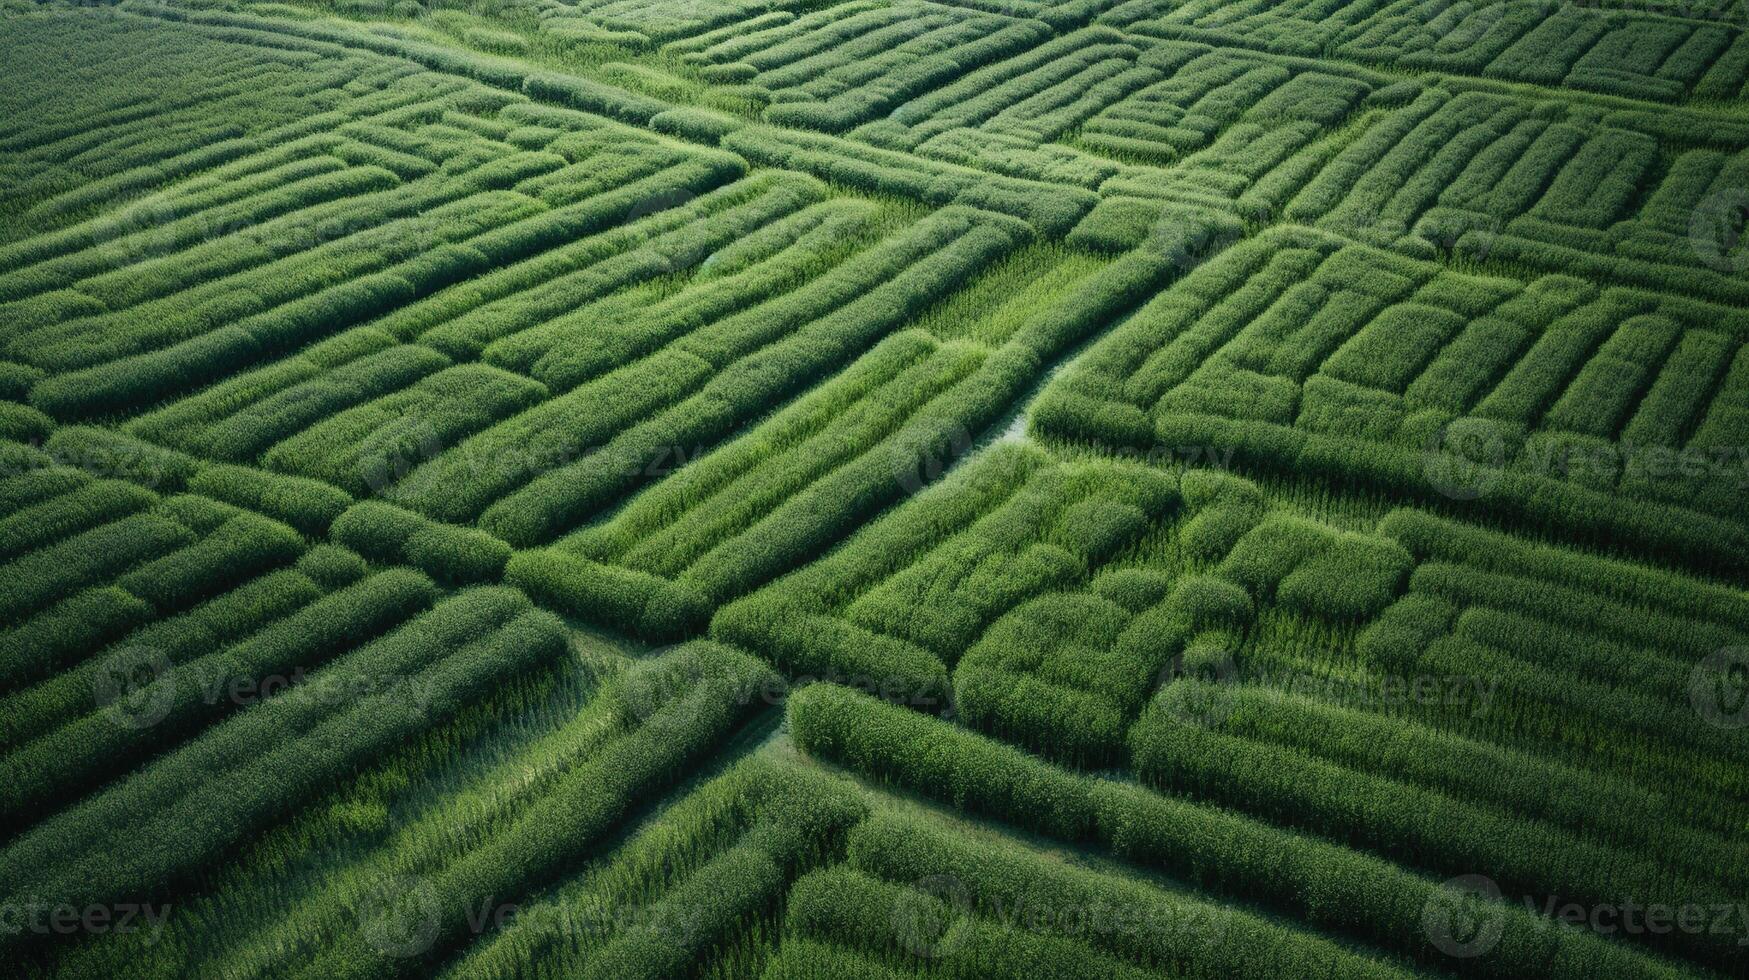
(891, 488)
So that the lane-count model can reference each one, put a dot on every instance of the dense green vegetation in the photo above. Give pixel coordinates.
(884, 488)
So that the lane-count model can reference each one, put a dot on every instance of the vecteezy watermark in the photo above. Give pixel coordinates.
(387, 456)
(1464, 462)
(400, 916)
(45, 918)
(138, 687)
(134, 686)
(145, 465)
(1605, 462)
(923, 918)
(1208, 701)
(1466, 916)
(919, 461)
(1718, 688)
(1212, 697)
(1373, 693)
(1716, 231)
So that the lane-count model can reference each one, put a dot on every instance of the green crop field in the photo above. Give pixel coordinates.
(876, 489)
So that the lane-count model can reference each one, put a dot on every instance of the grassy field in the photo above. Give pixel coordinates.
(878, 489)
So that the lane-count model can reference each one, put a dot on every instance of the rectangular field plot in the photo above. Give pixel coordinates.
(1548, 401)
(1620, 52)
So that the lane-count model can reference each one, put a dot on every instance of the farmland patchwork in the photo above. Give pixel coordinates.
(888, 488)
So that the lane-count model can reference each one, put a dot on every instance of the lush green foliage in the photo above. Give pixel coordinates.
(1225, 489)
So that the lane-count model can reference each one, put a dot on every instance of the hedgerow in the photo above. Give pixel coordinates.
(691, 391)
(1442, 834)
(371, 447)
(391, 535)
(264, 422)
(1323, 884)
(308, 505)
(1611, 811)
(87, 748)
(37, 579)
(1123, 917)
(680, 720)
(1050, 209)
(845, 905)
(456, 651)
(53, 638)
(94, 503)
(717, 858)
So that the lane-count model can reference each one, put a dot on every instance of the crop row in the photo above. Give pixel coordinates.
(251, 412)
(734, 518)
(275, 755)
(1322, 884)
(1631, 54)
(688, 884)
(516, 834)
(1306, 354)
(698, 388)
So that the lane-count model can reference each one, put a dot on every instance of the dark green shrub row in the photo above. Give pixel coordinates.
(803, 643)
(258, 425)
(184, 423)
(1051, 209)
(505, 72)
(171, 298)
(199, 687)
(1433, 538)
(798, 958)
(308, 505)
(242, 776)
(813, 241)
(377, 283)
(518, 284)
(369, 448)
(30, 583)
(243, 545)
(988, 89)
(728, 894)
(1610, 810)
(680, 723)
(903, 74)
(1675, 534)
(1327, 886)
(912, 927)
(667, 891)
(22, 423)
(1440, 834)
(557, 282)
(263, 197)
(210, 626)
(809, 519)
(225, 148)
(1050, 675)
(1162, 930)
(1039, 540)
(79, 509)
(1596, 49)
(114, 454)
(388, 534)
(698, 389)
(653, 608)
(1685, 636)
(68, 254)
(57, 636)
